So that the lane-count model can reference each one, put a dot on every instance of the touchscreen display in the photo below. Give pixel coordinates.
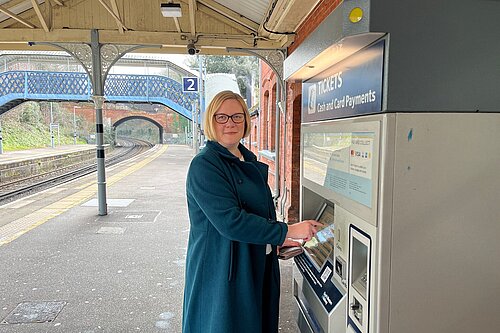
(320, 247)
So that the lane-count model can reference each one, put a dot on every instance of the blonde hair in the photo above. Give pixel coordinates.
(214, 106)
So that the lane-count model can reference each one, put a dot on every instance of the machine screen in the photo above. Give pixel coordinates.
(320, 247)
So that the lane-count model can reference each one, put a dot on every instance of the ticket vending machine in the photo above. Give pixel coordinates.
(409, 203)
(340, 256)
(339, 175)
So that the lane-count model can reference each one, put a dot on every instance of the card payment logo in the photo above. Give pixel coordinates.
(311, 103)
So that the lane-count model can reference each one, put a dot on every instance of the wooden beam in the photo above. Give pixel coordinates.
(168, 39)
(224, 19)
(118, 20)
(48, 10)
(16, 17)
(192, 16)
(230, 14)
(58, 2)
(176, 20)
(38, 12)
(117, 13)
(177, 25)
(19, 35)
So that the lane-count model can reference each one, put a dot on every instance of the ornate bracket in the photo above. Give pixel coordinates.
(82, 52)
(98, 101)
(273, 57)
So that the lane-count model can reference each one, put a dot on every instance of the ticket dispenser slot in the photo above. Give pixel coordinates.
(359, 280)
(321, 298)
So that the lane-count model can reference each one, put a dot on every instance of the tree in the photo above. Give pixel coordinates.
(30, 114)
(243, 67)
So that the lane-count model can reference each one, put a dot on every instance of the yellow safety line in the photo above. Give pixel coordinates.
(19, 227)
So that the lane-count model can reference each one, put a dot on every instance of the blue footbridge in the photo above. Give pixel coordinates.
(17, 87)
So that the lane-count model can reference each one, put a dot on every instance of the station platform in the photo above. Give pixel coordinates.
(9, 157)
(28, 163)
(67, 269)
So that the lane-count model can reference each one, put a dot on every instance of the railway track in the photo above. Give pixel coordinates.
(125, 149)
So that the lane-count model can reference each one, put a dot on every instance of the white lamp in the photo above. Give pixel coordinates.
(171, 9)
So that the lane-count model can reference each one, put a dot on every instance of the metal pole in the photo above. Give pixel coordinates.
(98, 99)
(52, 143)
(201, 91)
(193, 134)
(74, 124)
(1, 143)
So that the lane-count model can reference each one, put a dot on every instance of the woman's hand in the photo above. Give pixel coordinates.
(290, 242)
(303, 230)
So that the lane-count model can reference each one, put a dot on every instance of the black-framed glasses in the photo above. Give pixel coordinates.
(222, 118)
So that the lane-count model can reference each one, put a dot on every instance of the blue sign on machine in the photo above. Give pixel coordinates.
(190, 84)
(349, 88)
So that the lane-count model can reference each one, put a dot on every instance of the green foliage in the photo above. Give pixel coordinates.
(109, 136)
(20, 137)
(31, 114)
(27, 126)
(178, 124)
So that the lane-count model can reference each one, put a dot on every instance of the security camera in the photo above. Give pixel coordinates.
(192, 50)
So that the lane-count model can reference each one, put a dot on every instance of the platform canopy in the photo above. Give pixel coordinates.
(209, 25)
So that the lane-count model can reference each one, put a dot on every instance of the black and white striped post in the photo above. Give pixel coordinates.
(98, 98)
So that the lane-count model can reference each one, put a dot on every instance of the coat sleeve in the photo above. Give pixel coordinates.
(210, 188)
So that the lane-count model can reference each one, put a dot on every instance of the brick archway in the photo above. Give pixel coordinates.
(117, 123)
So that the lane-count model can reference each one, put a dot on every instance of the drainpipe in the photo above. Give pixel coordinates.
(277, 144)
(283, 107)
(260, 110)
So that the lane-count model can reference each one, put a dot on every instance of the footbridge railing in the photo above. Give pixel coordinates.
(18, 86)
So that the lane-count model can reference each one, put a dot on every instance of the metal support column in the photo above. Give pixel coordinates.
(201, 92)
(98, 99)
(196, 144)
(97, 59)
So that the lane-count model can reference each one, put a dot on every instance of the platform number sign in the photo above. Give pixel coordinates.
(190, 84)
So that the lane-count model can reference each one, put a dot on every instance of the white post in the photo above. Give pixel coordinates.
(1, 143)
(193, 125)
(52, 143)
(74, 123)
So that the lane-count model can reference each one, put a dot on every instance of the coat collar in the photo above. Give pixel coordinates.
(223, 151)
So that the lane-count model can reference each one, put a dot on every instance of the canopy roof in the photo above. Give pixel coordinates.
(210, 25)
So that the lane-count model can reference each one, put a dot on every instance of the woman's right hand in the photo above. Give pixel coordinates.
(303, 230)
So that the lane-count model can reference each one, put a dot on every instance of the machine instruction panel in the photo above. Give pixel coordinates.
(341, 162)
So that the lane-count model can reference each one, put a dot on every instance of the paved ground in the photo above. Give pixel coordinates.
(122, 272)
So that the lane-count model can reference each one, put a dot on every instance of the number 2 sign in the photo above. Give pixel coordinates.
(189, 84)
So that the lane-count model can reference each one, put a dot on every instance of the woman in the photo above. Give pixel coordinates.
(232, 272)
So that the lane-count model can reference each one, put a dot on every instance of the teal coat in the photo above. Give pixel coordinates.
(232, 219)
